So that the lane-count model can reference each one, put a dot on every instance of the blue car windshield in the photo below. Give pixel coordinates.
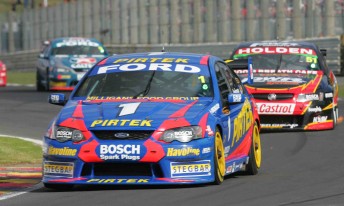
(138, 84)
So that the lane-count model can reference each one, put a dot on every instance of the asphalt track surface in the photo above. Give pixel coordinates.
(298, 168)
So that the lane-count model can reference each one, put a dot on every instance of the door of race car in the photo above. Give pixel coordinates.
(236, 115)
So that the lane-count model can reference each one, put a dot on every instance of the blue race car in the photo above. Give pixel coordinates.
(153, 118)
(64, 61)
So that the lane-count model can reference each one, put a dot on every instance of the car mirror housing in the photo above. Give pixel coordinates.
(234, 98)
(57, 99)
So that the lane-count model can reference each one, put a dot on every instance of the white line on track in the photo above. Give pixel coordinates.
(14, 194)
(36, 141)
(19, 85)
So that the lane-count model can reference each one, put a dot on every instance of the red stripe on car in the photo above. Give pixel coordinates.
(204, 60)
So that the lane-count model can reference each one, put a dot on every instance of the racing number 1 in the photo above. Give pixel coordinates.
(128, 108)
(202, 79)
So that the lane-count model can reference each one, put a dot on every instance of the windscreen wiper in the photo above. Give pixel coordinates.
(146, 90)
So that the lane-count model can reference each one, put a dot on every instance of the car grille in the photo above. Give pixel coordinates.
(122, 169)
(278, 119)
(79, 70)
(126, 134)
(278, 96)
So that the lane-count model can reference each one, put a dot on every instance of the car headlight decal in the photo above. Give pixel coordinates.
(63, 134)
(182, 134)
(310, 97)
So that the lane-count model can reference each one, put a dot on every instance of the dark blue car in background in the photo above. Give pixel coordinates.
(64, 61)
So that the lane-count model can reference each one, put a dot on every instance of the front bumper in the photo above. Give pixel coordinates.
(3, 79)
(60, 81)
(312, 118)
(173, 163)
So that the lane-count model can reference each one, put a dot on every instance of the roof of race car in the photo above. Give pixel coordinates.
(63, 39)
(158, 57)
(302, 44)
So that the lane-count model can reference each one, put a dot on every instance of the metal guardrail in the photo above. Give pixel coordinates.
(335, 52)
(174, 21)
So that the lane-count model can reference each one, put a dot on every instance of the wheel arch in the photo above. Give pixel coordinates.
(218, 126)
(258, 122)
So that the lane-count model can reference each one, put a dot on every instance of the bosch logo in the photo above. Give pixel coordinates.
(119, 149)
(272, 97)
(121, 135)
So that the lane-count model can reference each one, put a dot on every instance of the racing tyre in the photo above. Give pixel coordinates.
(59, 186)
(255, 155)
(39, 86)
(47, 86)
(219, 159)
(334, 116)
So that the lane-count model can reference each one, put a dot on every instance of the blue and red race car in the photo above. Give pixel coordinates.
(292, 85)
(153, 118)
(64, 61)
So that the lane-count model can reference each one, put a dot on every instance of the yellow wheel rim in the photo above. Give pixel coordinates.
(256, 146)
(220, 155)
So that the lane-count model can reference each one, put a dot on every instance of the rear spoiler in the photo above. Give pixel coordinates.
(242, 64)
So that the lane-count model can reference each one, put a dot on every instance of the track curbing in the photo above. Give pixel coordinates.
(18, 180)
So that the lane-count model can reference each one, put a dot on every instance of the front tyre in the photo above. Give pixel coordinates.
(255, 155)
(47, 86)
(219, 159)
(39, 86)
(334, 116)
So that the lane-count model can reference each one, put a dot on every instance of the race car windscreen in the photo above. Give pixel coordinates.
(280, 58)
(78, 50)
(142, 84)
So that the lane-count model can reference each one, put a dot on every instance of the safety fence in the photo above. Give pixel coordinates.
(143, 22)
(335, 52)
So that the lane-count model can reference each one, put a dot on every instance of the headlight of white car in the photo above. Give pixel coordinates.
(182, 134)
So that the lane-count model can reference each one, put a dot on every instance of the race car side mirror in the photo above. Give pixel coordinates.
(57, 99)
(234, 98)
(323, 52)
(249, 71)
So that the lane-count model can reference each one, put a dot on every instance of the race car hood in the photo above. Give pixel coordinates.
(281, 80)
(76, 62)
(133, 114)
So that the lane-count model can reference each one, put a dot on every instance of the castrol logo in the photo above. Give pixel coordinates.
(272, 108)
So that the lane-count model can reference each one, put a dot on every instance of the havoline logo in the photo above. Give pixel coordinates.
(172, 152)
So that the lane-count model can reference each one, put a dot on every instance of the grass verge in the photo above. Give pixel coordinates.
(341, 90)
(15, 151)
(21, 77)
